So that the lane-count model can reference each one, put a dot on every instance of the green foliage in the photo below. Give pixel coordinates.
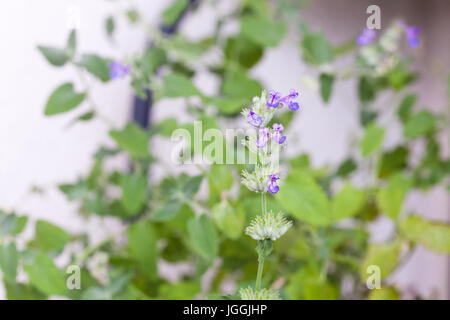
(262, 30)
(347, 202)
(385, 256)
(316, 48)
(372, 140)
(302, 197)
(433, 235)
(326, 85)
(419, 124)
(45, 276)
(96, 65)
(49, 238)
(132, 139)
(63, 99)
(230, 219)
(177, 85)
(134, 192)
(142, 248)
(9, 260)
(203, 237)
(390, 198)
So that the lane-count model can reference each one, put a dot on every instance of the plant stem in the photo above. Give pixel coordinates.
(259, 274)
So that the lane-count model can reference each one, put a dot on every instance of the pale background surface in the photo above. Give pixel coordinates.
(39, 150)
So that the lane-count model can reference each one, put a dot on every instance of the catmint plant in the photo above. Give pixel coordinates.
(268, 226)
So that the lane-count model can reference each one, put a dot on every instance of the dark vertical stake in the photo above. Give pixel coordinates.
(142, 107)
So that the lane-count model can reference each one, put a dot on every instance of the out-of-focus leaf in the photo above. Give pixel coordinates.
(63, 99)
(49, 237)
(390, 198)
(96, 65)
(384, 293)
(203, 237)
(347, 202)
(302, 197)
(167, 126)
(219, 178)
(262, 30)
(110, 26)
(346, 168)
(183, 290)
(307, 284)
(393, 161)
(9, 260)
(168, 210)
(44, 275)
(433, 235)
(246, 53)
(326, 86)
(173, 13)
(239, 85)
(177, 85)
(419, 124)
(142, 248)
(385, 256)
(372, 140)
(405, 109)
(11, 224)
(57, 57)
(134, 190)
(132, 139)
(229, 219)
(72, 43)
(316, 48)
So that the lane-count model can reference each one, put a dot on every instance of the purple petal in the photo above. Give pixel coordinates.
(253, 119)
(412, 35)
(278, 127)
(272, 187)
(274, 98)
(366, 37)
(293, 106)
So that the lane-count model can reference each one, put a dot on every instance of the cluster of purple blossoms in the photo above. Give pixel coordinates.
(118, 70)
(412, 36)
(366, 37)
(259, 116)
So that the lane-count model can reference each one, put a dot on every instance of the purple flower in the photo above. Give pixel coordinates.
(278, 127)
(272, 183)
(412, 35)
(288, 99)
(274, 99)
(293, 106)
(253, 119)
(264, 135)
(118, 70)
(366, 37)
(277, 136)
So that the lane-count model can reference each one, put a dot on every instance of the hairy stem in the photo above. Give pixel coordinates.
(260, 271)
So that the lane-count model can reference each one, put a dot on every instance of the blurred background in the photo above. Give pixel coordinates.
(35, 150)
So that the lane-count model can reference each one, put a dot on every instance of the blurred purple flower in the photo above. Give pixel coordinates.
(253, 119)
(272, 183)
(118, 70)
(412, 35)
(264, 135)
(274, 99)
(277, 136)
(366, 37)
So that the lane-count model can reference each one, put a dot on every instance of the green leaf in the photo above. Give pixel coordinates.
(405, 109)
(192, 185)
(49, 237)
(9, 261)
(262, 30)
(142, 248)
(239, 86)
(63, 99)
(167, 126)
(304, 199)
(177, 85)
(110, 26)
(57, 57)
(326, 85)
(372, 140)
(229, 219)
(96, 65)
(419, 124)
(134, 191)
(132, 139)
(393, 161)
(219, 178)
(346, 168)
(347, 202)
(183, 290)
(246, 53)
(385, 256)
(227, 106)
(45, 276)
(316, 48)
(151, 60)
(203, 237)
(72, 43)
(433, 235)
(390, 199)
(168, 210)
(384, 293)
(11, 224)
(173, 13)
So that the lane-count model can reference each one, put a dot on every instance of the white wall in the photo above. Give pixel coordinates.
(39, 150)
